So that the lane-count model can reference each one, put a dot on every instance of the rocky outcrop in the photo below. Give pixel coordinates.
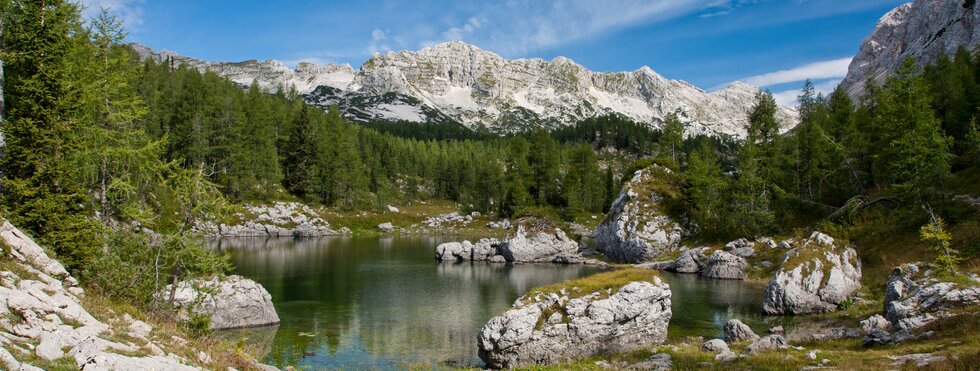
(42, 317)
(636, 229)
(551, 328)
(386, 227)
(921, 29)
(536, 240)
(723, 265)
(482, 250)
(280, 219)
(915, 297)
(229, 302)
(736, 331)
(814, 277)
(458, 82)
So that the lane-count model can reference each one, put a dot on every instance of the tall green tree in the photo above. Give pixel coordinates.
(40, 188)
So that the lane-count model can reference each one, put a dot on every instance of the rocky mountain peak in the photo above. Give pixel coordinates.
(921, 29)
(456, 81)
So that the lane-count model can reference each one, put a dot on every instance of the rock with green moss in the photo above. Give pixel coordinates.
(229, 302)
(815, 277)
(637, 227)
(554, 327)
(916, 296)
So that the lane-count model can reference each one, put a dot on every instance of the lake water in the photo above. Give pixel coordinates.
(382, 303)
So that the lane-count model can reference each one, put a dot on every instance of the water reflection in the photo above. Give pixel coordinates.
(379, 303)
(702, 306)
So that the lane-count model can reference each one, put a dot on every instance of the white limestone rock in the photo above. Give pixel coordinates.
(814, 277)
(636, 228)
(536, 241)
(634, 316)
(723, 265)
(230, 302)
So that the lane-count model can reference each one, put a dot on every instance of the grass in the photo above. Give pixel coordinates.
(600, 282)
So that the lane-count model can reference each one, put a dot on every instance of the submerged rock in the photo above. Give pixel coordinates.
(637, 228)
(723, 265)
(230, 302)
(536, 240)
(914, 297)
(736, 331)
(635, 315)
(814, 277)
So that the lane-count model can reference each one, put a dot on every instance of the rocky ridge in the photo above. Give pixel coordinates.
(921, 29)
(280, 219)
(459, 82)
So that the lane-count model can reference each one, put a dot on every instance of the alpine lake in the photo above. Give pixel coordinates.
(386, 303)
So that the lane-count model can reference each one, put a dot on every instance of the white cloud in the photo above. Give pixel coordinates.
(130, 12)
(516, 28)
(815, 71)
(379, 42)
(788, 97)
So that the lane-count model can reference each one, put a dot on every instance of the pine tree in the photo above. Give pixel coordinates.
(40, 188)
(707, 191)
(914, 150)
(672, 137)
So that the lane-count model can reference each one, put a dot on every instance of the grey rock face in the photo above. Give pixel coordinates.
(279, 219)
(723, 265)
(922, 30)
(914, 298)
(636, 229)
(736, 331)
(814, 277)
(876, 337)
(635, 315)
(530, 244)
(232, 302)
(476, 87)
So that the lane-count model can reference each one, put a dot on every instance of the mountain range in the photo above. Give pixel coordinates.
(458, 82)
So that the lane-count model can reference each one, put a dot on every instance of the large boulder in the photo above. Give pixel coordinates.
(736, 331)
(727, 266)
(556, 327)
(229, 302)
(915, 296)
(815, 277)
(482, 250)
(536, 240)
(690, 261)
(637, 229)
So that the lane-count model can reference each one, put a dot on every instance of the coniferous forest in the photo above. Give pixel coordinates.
(109, 160)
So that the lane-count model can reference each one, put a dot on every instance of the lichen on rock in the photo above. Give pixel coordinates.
(815, 277)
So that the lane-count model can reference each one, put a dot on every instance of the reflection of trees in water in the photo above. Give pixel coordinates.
(379, 298)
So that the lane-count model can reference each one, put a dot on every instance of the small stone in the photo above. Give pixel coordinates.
(768, 342)
(812, 354)
(715, 345)
(776, 330)
(386, 227)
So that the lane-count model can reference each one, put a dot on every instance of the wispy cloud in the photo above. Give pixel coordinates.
(788, 97)
(129, 11)
(517, 28)
(379, 42)
(815, 71)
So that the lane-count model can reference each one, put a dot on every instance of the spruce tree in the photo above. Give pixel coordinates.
(40, 188)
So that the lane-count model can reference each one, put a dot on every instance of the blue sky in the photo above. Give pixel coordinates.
(709, 43)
